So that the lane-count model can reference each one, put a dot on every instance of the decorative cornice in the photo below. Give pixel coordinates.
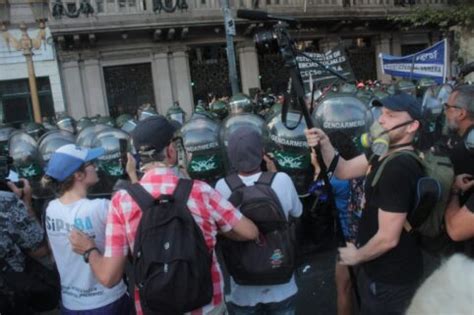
(67, 57)
(60, 9)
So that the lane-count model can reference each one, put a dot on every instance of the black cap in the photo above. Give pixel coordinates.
(154, 132)
(402, 102)
(245, 149)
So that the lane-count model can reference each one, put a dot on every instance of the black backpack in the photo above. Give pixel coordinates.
(271, 259)
(172, 264)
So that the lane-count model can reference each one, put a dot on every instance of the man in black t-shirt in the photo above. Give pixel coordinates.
(389, 256)
(459, 111)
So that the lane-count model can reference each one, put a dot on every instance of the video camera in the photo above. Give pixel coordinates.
(5, 163)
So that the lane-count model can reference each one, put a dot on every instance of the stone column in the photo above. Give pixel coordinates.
(249, 71)
(382, 45)
(396, 44)
(182, 81)
(94, 88)
(75, 104)
(162, 81)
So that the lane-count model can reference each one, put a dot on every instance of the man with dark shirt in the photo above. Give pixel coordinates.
(459, 217)
(459, 111)
(390, 260)
(20, 235)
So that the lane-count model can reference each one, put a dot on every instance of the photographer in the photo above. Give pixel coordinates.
(21, 238)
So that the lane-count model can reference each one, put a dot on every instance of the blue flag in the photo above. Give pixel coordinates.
(428, 63)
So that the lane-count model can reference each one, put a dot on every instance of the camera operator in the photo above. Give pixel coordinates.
(21, 238)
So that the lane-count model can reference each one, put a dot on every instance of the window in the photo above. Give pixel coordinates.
(15, 100)
(99, 6)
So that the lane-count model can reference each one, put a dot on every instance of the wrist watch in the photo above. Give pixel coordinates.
(87, 253)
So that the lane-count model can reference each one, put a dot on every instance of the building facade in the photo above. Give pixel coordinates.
(15, 97)
(115, 55)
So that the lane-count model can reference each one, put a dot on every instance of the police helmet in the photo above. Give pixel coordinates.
(67, 123)
(343, 114)
(24, 151)
(201, 140)
(34, 129)
(109, 140)
(86, 137)
(240, 103)
(53, 140)
(83, 123)
(219, 109)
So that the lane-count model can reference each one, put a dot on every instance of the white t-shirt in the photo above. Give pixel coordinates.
(80, 290)
(246, 295)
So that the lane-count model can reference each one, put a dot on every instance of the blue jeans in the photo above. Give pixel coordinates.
(285, 307)
(121, 306)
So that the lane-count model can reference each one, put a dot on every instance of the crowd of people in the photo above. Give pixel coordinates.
(159, 244)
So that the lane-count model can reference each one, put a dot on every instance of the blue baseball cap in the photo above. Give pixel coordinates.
(68, 159)
(403, 102)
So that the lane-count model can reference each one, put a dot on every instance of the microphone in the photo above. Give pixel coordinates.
(259, 15)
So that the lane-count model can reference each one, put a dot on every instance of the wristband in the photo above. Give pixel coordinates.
(88, 252)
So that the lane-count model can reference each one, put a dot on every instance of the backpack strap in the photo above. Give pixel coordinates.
(141, 196)
(234, 182)
(266, 178)
(182, 192)
(379, 172)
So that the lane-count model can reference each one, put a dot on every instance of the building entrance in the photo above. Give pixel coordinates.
(128, 87)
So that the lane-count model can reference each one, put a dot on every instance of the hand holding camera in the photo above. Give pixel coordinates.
(22, 189)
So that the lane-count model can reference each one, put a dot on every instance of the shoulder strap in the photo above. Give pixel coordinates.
(141, 196)
(234, 182)
(378, 174)
(182, 192)
(266, 178)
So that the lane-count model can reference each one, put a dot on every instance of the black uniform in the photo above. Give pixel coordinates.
(463, 163)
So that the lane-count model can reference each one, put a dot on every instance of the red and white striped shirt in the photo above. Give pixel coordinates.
(209, 209)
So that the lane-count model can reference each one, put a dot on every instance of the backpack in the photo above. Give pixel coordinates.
(271, 259)
(171, 261)
(432, 196)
